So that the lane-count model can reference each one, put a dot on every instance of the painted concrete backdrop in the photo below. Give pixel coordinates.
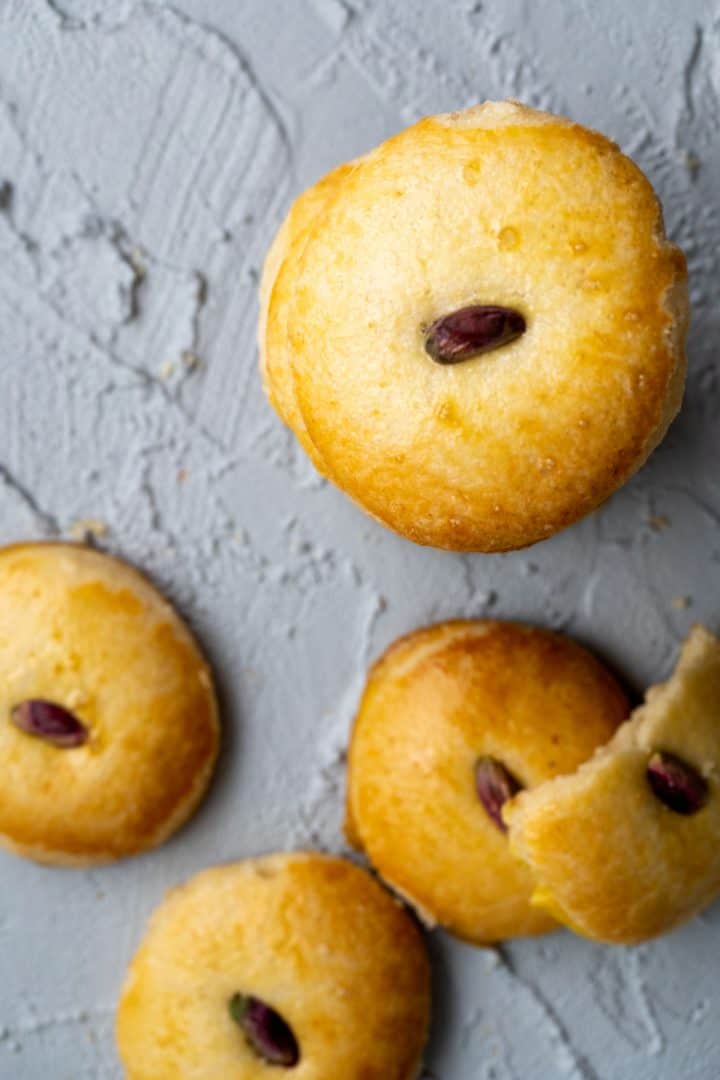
(147, 151)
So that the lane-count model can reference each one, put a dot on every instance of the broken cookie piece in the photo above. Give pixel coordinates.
(628, 846)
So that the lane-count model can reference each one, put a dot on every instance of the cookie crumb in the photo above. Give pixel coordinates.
(191, 361)
(85, 530)
(681, 603)
(658, 522)
(136, 259)
(167, 370)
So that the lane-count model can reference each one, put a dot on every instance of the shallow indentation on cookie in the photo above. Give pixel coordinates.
(508, 238)
(447, 412)
(471, 172)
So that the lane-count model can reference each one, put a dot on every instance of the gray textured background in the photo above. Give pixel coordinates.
(147, 151)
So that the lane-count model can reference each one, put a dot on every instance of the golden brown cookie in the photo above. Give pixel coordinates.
(108, 718)
(453, 719)
(294, 964)
(629, 846)
(514, 218)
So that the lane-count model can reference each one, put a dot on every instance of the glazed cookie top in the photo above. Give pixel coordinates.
(295, 963)
(454, 719)
(498, 206)
(629, 846)
(108, 719)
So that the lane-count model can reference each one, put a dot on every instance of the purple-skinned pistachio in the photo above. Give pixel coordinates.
(494, 785)
(471, 331)
(677, 785)
(268, 1034)
(50, 722)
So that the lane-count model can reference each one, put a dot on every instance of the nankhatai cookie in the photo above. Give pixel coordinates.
(108, 717)
(478, 329)
(629, 846)
(300, 963)
(456, 719)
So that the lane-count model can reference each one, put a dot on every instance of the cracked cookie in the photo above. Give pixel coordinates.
(629, 846)
(454, 720)
(477, 330)
(108, 717)
(298, 961)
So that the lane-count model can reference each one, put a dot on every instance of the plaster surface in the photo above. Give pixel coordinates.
(148, 149)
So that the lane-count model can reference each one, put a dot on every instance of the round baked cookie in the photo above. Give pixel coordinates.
(481, 330)
(108, 718)
(454, 720)
(629, 846)
(300, 964)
